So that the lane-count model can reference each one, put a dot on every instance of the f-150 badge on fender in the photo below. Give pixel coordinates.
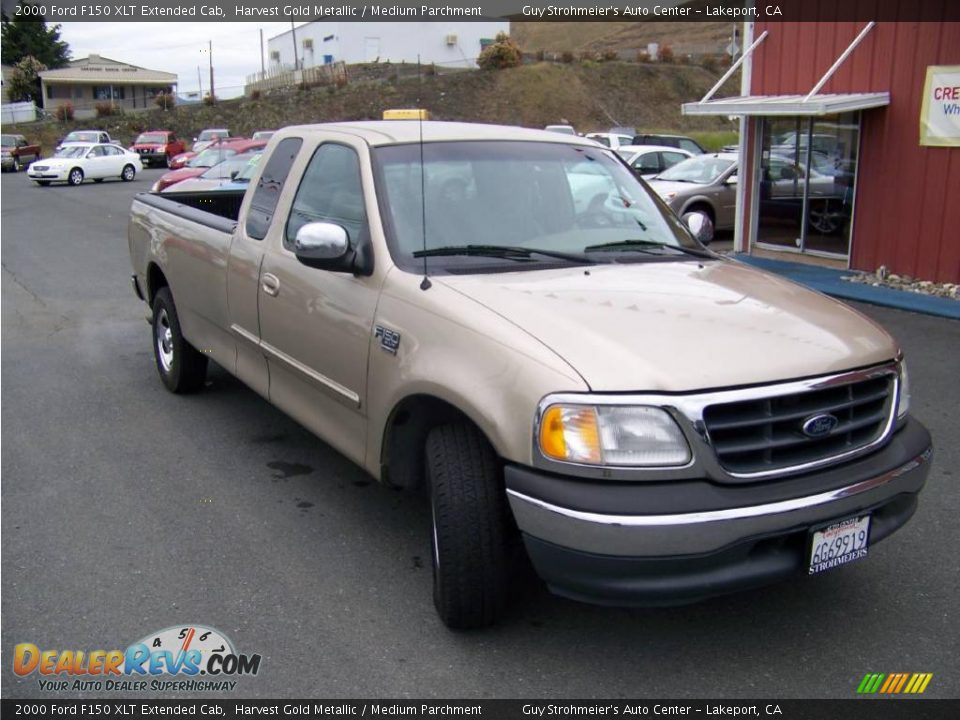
(389, 339)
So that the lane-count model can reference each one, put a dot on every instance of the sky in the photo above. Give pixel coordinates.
(178, 47)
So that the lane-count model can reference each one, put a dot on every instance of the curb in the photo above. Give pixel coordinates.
(829, 282)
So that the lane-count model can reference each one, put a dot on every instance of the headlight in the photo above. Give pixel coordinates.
(612, 435)
(903, 401)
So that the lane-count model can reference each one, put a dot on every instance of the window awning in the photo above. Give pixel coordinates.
(788, 104)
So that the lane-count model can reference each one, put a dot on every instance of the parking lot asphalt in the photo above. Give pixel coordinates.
(126, 510)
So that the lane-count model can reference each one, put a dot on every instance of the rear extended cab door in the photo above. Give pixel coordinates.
(316, 325)
(250, 240)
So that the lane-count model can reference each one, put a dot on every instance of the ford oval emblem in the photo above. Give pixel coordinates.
(818, 426)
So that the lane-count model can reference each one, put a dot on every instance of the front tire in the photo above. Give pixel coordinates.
(471, 527)
(182, 368)
(128, 174)
(75, 177)
(16, 164)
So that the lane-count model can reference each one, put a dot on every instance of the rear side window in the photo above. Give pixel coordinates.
(331, 191)
(268, 189)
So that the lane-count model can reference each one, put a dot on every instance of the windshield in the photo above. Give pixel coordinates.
(701, 170)
(9, 141)
(529, 195)
(148, 138)
(247, 172)
(211, 134)
(210, 157)
(223, 170)
(72, 151)
(80, 136)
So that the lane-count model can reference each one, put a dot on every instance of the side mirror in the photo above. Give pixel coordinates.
(194, 139)
(732, 180)
(700, 226)
(233, 174)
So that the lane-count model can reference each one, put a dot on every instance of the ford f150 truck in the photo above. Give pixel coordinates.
(509, 320)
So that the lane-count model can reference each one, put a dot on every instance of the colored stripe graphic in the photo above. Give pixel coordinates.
(894, 683)
(870, 683)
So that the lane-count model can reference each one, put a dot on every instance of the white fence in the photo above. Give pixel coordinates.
(18, 112)
(283, 77)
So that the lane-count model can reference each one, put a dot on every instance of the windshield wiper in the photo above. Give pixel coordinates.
(508, 252)
(646, 246)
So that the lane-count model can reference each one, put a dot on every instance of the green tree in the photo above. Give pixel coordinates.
(502, 53)
(29, 36)
(24, 83)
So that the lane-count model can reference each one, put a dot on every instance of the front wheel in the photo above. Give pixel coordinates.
(471, 527)
(75, 177)
(182, 368)
(16, 164)
(128, 173)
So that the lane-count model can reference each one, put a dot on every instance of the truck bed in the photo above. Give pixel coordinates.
(215, 209)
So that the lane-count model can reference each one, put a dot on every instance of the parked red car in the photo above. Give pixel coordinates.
(208, 158)
(186, 156)
(18, 153)
(157, 147)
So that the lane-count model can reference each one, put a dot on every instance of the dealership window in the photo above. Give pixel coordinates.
(807, 174)
(102, 92)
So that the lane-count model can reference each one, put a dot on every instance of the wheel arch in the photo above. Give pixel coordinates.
(155, 280)
(700, 203)
(402, 461)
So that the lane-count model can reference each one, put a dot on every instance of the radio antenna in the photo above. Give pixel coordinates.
(425, 284)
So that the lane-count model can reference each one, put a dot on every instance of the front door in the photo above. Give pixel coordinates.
(806, 182)
(316, 325)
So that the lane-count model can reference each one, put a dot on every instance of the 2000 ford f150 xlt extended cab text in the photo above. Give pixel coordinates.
(510, 320)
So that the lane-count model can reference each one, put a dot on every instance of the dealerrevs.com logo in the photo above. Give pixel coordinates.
(185, 658)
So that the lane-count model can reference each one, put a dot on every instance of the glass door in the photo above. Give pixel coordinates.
(808, 170)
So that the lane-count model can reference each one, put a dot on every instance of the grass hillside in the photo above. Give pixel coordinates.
(698, 38)
(590, 95)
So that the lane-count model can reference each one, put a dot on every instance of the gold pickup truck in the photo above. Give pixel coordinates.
(510, 321)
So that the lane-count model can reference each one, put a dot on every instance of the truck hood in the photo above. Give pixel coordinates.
(680, 326)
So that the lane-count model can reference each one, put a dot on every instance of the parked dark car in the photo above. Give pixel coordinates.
(678, 141)
(17, 153)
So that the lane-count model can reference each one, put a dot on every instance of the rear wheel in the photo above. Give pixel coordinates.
(182, 368)
(128, 173)
(471, 524)
(75, 177)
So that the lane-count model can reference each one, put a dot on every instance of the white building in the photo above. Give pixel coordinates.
(453, 44)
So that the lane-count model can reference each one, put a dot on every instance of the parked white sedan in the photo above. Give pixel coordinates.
(86, 161)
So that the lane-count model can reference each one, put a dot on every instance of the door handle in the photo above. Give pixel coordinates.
(270, 284)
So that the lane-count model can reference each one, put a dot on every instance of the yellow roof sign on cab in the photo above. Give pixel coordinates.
(406, 114)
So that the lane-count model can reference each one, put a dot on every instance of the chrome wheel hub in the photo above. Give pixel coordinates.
(164, 339)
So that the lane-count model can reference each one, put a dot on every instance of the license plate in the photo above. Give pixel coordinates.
(839, 544)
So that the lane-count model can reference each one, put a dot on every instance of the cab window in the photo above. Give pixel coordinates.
(331, 191)
(269, 187)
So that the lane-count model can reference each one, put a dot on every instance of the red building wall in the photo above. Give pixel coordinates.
(907, 213)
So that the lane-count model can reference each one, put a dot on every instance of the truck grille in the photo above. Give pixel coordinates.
(767, 434)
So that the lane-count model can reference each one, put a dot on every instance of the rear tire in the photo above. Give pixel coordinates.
(128, 174)
(75, 177)
(182, 368)
(471, 527)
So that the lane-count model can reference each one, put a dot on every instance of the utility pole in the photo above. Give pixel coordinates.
(212, 96)
(200, 82)
(263, 64)
(296, 61)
